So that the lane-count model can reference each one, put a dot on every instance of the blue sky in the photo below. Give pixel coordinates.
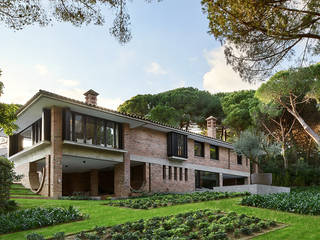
(170, 48)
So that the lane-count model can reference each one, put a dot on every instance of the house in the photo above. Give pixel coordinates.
(65, 146)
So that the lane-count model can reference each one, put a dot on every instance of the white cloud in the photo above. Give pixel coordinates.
(41, 69)
(221, 77)
(156, 68)
(21, 82)
(68, 83)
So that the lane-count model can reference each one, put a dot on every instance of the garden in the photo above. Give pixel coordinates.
(163, 199)
(301, 201)
(200, 224)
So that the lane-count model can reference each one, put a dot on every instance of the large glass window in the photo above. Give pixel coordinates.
(90, 130)
(214, 152)
(110, 134)
(100, 133)
(239, 159)
(26, 138)
(78, 128)
(198, 149)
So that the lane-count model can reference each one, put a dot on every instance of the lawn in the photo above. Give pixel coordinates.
(299, 226)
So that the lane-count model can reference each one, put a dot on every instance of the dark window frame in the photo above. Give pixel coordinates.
(239, 159)
(201, 145)
(170, 173)
(175, 173)
(180, 174)
(173, 147)
(186, 174)
(71, 115)
(164, 173)
(216, 152)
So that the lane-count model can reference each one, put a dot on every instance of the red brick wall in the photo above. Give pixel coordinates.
(75, 182)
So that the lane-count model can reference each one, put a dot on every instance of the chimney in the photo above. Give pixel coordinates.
(91, 97)
(211, 127)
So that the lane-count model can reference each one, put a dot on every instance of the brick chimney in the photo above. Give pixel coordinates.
(91, 97)
(211, 127)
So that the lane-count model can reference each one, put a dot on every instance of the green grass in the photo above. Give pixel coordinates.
(299, 226)
(17, 190)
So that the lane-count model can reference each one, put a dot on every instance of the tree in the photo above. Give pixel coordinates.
(186, 106)
(17, 14)
(236, 107)
(165, 114)
(290, 89)
(7, 114)
(277, 123)
(259, 35)
(254, 145)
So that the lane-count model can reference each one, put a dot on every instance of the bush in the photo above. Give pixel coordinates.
(295, 202)
(35, 236)
(165, 199)
(7, 176)
(37, 217)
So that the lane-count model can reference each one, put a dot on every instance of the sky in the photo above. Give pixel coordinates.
(170, 48)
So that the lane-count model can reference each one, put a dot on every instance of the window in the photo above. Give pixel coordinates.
(90, 130)
(170, 172)
(198, 149)
(100, 133)
(177, 145)
(78, 128)
(186, 174)
(180, 174)
(26, 137)
(164, 174)
(36, 131)
(239, 159)
(175, 173)
(214, 152)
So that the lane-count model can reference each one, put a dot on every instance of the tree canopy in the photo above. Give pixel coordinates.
(236, 107)
(179, 107)
(17, 14)
(261, 34)
(291, 89)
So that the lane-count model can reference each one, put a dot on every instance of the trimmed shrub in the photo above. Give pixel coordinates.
(295, 202)
(37, 217)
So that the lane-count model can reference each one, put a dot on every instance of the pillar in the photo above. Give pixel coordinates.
(56, 153)
(94, 182)
(247, 180)
(221, 179)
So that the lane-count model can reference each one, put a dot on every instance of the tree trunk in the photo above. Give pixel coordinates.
(284, 155)
(305, 126)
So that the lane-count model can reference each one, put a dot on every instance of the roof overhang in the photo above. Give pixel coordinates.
(33, 109)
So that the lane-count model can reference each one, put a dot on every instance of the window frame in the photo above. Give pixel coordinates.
(201, 144)
(216, 152)
(69, 131)
(239, 159)
(176, 147)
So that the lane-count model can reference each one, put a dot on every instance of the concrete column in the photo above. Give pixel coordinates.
(221, 179)
(56, 153)
(94, 182)
(247, 180)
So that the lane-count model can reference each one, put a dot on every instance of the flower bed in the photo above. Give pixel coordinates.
(162, 200)
(37, 217)
(201, 224)
(295, 202)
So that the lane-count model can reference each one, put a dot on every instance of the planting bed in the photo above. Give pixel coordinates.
(162, 200)
(37, 217)
(201, 224)
(304, 202)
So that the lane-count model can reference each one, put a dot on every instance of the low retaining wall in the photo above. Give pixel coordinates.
(253, 189)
